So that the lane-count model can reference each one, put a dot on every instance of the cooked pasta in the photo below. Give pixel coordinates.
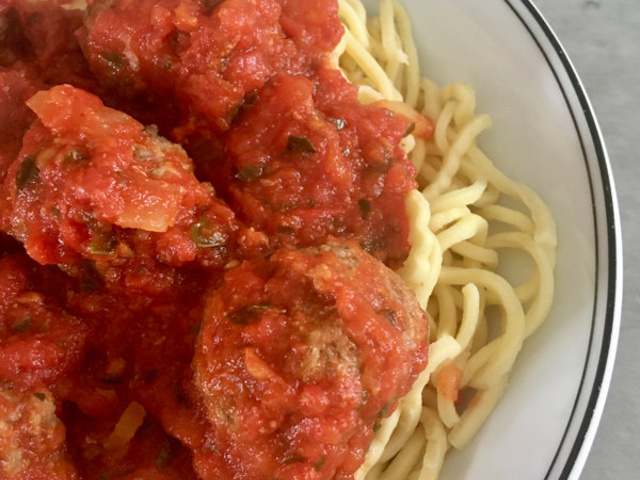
(466, 213)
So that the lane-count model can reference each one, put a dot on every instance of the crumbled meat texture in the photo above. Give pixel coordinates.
(31, 437)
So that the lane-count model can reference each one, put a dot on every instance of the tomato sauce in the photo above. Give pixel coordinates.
(199, 224)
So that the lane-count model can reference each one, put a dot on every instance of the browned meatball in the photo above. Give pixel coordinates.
(300, 356)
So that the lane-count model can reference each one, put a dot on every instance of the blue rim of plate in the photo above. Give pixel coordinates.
(586, 413)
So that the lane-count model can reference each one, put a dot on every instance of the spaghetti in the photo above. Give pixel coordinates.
(465, 214)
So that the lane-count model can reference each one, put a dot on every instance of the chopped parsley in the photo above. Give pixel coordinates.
(300, 144)
(27, 172)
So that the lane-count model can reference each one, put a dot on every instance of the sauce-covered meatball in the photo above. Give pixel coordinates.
(301, 354)
(198, 58)
(32, 438)
(92, 183)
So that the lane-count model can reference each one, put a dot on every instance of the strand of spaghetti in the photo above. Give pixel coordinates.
(545, 233)
(427, 172)
(447, 318)
(445, 349)
(477, 412)
(439, 221)
(540, 306)
(371, 466)
(491, 196)
(447, 382)
(390, 41)
(441, 128)
(483, 368)
(371, 68)
(403, 463)
(528, 290)
(411, 90)
(418, 154)
(465, 228)
(387, 33)
(464, 98)
(431, 98)
(374, 473)
(451, 161)
(437, 445)
(425, 250)
(476, 255)
(410, 407)
(358, 7)
(470, 315)
(447, 410)
(481, 334)
(352, 16)
(508, 216)
(408, 143)
(465, 196)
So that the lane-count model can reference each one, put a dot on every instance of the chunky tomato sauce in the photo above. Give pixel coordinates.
(199, 224)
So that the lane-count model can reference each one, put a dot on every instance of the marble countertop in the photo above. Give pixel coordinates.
(602, 39)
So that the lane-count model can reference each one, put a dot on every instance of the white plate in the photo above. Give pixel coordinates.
(545, 134)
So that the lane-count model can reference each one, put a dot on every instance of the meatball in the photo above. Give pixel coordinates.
(300, 356)
(40, 343)
(199, 58)
(32, 438)
(92, 183)
(313, 162)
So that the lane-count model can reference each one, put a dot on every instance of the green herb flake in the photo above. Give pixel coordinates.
(286, 229)
(22, 325)
(27, 172)
(208, 6)
(55, 212)
(320, 463)
(248, 313)
(293, 459)
(103, 244)
(115, 60)
(249, 173)
(250, 100)
(391, 317)
(300, 145)
(386, 408)
(164, 456)
(410, 130)
(90, 280)
(365, 207)
(206, 235)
